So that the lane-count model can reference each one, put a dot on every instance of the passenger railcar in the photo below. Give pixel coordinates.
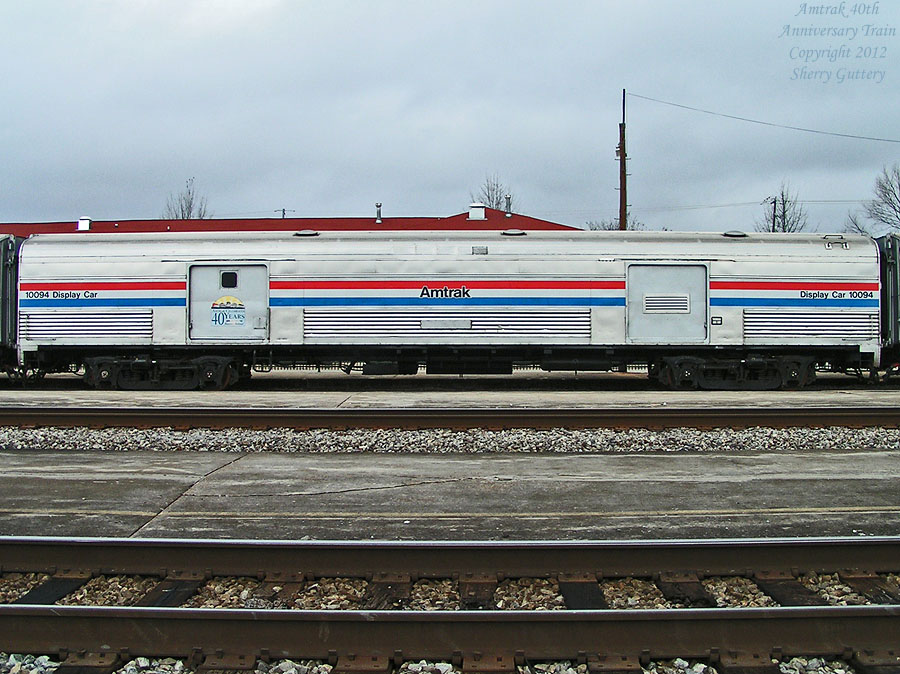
(729, 310)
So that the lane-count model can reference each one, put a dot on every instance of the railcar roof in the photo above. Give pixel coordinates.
(310, 236)
(606, 246)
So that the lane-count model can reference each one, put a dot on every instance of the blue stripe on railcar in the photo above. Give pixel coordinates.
(787, 302)
(108, 302)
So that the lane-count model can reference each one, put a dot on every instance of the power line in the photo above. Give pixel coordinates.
(698, 207)
(757, 121)
(687, 207)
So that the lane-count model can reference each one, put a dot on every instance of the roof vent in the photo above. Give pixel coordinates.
(476, 211)
(378, 213)
(734, 234)
(84, 224)
(512, 232)
(508, 205)
(306, 232)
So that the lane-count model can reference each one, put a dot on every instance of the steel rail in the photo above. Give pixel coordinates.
(454, 418)
(441, 559)
(694, 633)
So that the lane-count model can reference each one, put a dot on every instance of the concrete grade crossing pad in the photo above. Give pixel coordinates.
(449, 497)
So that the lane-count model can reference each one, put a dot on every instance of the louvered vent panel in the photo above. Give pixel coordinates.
(53, 325)
(667, 304)
(845, 325)
(321, 324)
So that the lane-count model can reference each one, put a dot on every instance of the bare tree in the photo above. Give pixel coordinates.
(783, 213)
(855, 225)
(186, 205)
(492, 193)
(884, 210)
(613, 224)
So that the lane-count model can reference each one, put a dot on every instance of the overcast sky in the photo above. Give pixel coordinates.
(327, 107)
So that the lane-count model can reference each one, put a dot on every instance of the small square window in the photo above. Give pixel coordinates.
(229, 279)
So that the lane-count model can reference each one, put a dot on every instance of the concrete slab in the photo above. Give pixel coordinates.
(94, 493)
(454, 497)
(522, 389)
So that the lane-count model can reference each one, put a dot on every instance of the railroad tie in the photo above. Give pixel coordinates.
(226, 662)
(89, 663)
(784, 588)
(614, 664)
(685, 588)
(870, 584)
(173, 591)
(55, 588)
(489, 663)
(746, 663)
(386, 590)
(876, 662)
(581, 591)
(476, 590)
(363, 664)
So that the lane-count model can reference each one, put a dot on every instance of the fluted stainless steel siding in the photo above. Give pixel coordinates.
(323, 324)
(843, 325)
(52, 325)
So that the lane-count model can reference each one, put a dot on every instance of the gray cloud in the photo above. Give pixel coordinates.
(327, 107)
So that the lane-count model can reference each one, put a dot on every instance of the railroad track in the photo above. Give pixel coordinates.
(370, 640)
(454, 418)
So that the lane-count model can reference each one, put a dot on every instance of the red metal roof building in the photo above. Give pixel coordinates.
(477, 218)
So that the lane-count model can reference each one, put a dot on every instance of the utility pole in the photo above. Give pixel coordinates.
(774, 202)
(623, 176)
(283, 211)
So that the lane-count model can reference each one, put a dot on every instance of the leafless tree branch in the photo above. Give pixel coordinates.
(783, 213)
(613, 224)
(186, 205)
(492, 193)
(885, 207)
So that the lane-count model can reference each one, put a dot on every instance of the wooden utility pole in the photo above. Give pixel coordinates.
(623, 176)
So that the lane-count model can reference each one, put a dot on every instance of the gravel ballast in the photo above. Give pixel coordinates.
(232, 592)
(737, 592)
(154, 666)
(814, 666)
(434, 595)
(529, 594)
(15, 585)
(634, 593)
(32, 664)
(332, 594)
(110, 591)
(832, 590)
(444, 441)
(16, 663)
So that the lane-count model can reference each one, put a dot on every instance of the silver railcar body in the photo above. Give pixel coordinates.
(623, 295)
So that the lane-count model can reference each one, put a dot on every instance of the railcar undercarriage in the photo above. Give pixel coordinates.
(196, 369)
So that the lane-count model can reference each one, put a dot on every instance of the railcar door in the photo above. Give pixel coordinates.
(666, 304)
(229, 302)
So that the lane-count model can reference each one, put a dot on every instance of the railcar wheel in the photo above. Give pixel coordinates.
(667, 376)
(106, 376)
(214, 374)
(101, 373)
(797, 373)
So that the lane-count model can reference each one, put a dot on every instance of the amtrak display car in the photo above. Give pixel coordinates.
(712, 310)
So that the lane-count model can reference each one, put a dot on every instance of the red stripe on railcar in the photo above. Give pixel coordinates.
(788, 285)
(110, 285)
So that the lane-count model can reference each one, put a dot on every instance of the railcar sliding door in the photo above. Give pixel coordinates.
(667, 304)
(229, 302)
